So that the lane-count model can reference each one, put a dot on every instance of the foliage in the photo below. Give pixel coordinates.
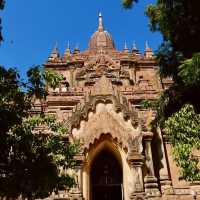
(2, 3)
(30, 161)
(128, 3)
(30, 171)
(172, 100)
(183, 127)
(145, 104)
(167, 59)
(178, 21)
(149, 104)
(38, 79)
(189, 71)
(178, 57)
(14, 103)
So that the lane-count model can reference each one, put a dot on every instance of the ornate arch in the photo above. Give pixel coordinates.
(104, 92)
(104, 142)
(105, 111)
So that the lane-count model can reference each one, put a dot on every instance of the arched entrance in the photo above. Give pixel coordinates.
(106, 177)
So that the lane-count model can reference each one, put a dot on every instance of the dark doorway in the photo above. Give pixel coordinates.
(106, 177)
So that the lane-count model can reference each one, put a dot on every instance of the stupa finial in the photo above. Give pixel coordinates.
(68, 44)
(54, 53)
(125, 47)
(55, 49)
(67, 50)
(148, 51)
(146, 45)
(134, 47)
(100, 26)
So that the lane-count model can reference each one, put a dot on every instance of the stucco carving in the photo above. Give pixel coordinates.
(105, 119)
(106, 111)
(104, 92)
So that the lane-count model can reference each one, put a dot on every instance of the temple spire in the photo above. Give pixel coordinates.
(68, 45)
(54, 53)
(148, 51)
(100, 26)
(76, 49)
(134, 47)
(126, 50)
(146, 45)
(67, 50)
(125, 45)
(55, 49)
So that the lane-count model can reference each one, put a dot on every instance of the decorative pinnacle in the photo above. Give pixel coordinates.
(125, 48)
(68, 45)
(125, 45)
(146, 45)
(55, 49)
(67, 51)
(54, 53)
(134, 47)
(100, 26)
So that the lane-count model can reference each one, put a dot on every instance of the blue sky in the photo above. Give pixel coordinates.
(32, 27)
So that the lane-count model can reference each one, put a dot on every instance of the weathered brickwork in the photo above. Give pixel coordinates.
(100, 101)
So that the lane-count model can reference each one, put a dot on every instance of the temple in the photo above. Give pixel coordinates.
(101, 102)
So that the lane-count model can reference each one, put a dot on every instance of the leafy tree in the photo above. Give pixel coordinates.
(31, 162)
(177, 20)
(38, 80)
(167, 59)
(189, 71)
(178, 56)
(183, 127)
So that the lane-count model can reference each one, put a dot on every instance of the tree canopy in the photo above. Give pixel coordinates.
(178, 57)
(177, 20)
(31, 160)
(183, 127)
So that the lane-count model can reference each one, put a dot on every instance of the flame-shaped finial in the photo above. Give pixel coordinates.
(100, 26)
(146, 45)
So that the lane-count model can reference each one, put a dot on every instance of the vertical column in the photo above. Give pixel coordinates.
(72, 76)
(76, 193)
(165, 180)
(150, 181)
(136, 161)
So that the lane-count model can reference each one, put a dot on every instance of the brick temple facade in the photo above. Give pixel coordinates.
(100, 102)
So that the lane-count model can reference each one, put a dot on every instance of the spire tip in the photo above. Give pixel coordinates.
(100, 26)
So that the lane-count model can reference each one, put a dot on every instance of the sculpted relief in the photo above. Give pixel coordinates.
(105, 120)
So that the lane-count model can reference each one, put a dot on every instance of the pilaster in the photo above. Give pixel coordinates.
(136, 161)
(150, 181)
(165, 180)
(76, 193)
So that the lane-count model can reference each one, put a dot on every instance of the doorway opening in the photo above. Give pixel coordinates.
(106, 177)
